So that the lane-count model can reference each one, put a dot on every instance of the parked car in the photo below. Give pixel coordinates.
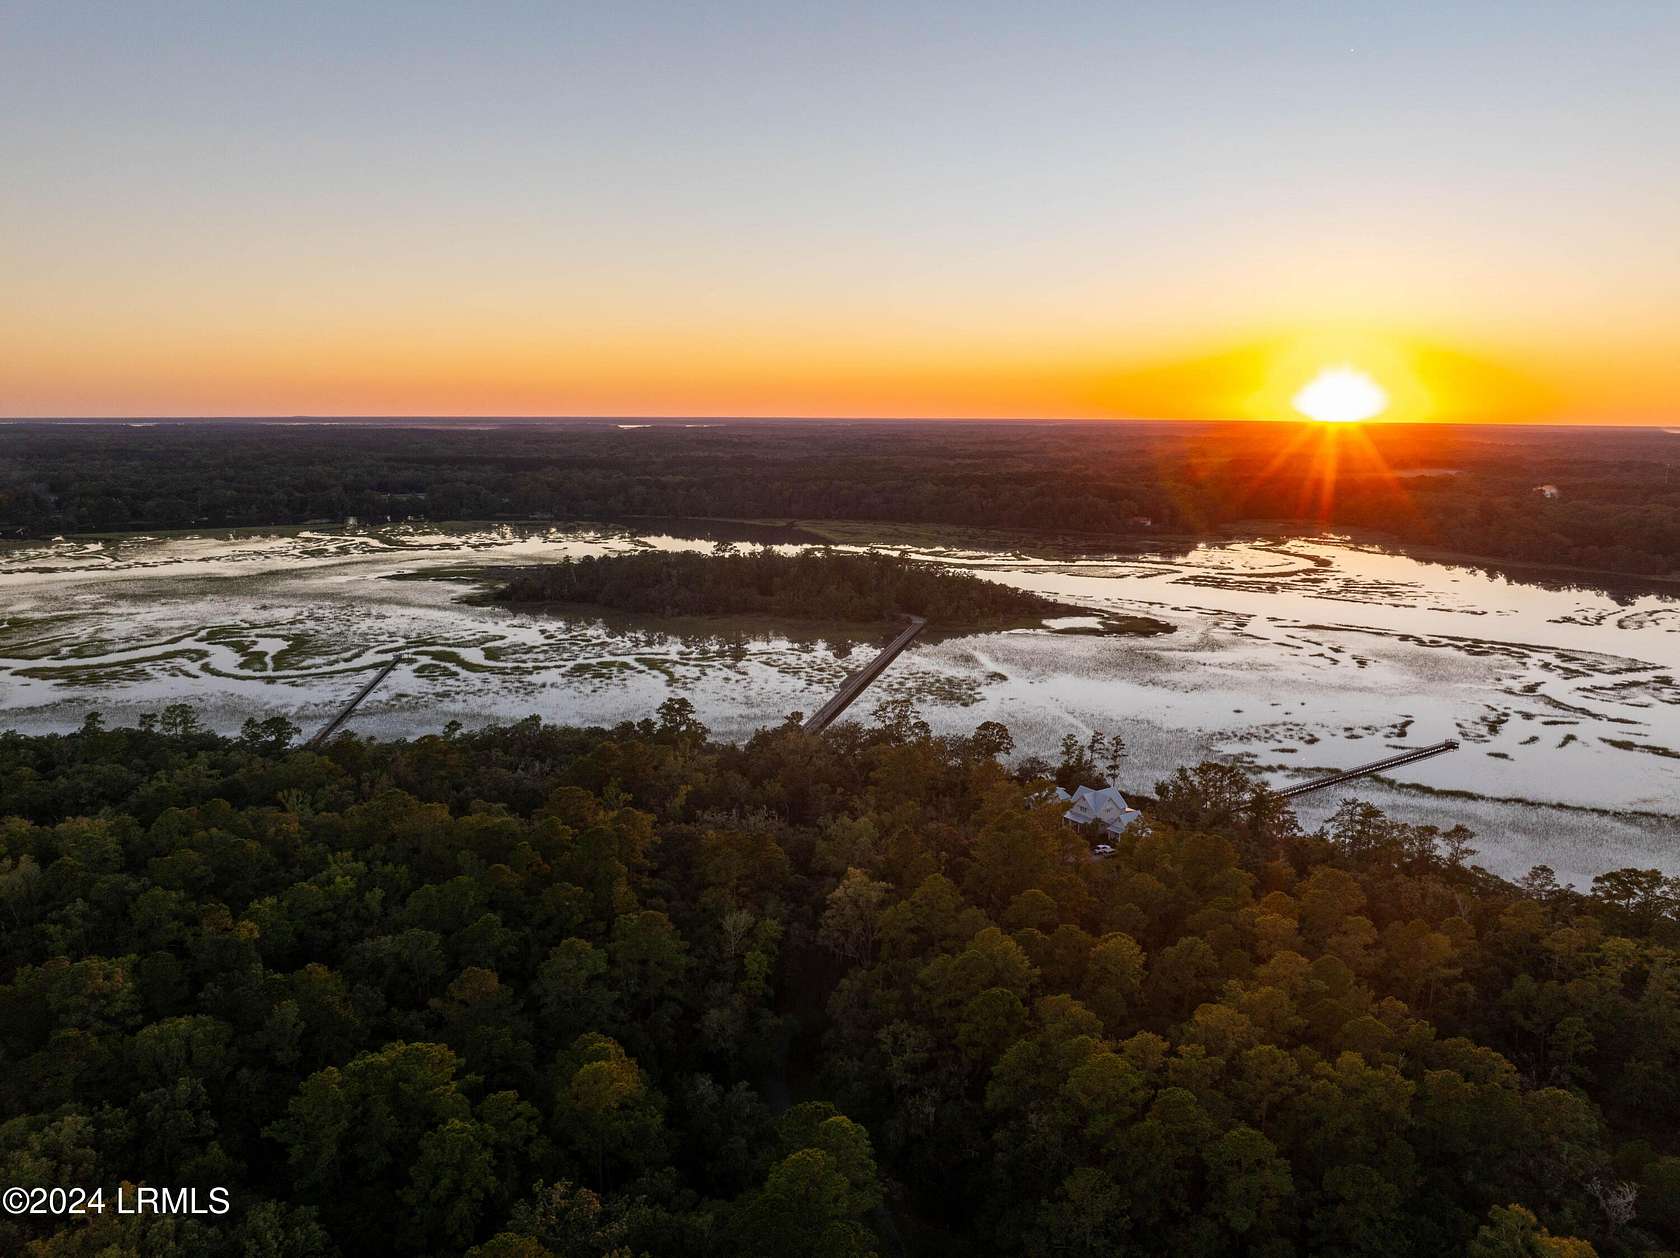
(1103, 850)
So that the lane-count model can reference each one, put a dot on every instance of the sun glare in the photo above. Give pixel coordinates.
(1341, 395)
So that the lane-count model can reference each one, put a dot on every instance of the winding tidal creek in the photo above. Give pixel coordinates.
(1296, 658)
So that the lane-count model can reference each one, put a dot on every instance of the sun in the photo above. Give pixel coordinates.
(1341, 395)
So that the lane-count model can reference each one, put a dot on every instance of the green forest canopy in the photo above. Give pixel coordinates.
(536, 990)
(811, 585)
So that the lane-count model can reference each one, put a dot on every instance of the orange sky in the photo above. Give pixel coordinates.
(911, 210)
(475, 370)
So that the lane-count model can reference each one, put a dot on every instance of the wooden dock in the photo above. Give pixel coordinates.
(859, 681)
(1376, 766)
(331, 727)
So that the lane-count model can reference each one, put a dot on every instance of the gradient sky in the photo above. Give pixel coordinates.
(963, 208)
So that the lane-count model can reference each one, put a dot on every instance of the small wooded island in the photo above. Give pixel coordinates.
(811, 585)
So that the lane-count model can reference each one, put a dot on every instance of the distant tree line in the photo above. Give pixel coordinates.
(815, 584)
(1617, 509)
(540, 991)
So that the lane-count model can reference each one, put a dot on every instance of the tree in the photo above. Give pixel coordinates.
(818, 1125)
(1638, 898)
(513, 1245)
(452, 1179)
(1108, 752)
(603, 1106)
(992, 740)
(1088, 1215)
(1076, 767)
(1113, 978)
(1248, 1181)
(180, 721)
(900, 721)
(359, 1136)
(562, 1220)
(648, 957)
(1513, 1232)
(804, 1209)
(677, 719)
(573, 991)
(850, 917)
(1222, 798)
(270, 736)
(273, 1229)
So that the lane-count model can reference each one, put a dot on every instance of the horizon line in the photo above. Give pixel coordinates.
(326, 419)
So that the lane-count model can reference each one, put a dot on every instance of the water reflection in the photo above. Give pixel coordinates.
(1291, 656)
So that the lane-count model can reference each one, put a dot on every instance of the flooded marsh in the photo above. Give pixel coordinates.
(1295, 658)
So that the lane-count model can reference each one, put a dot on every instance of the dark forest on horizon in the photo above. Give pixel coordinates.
(1600, 499)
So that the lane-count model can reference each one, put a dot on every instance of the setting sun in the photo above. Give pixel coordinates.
(1341, 395)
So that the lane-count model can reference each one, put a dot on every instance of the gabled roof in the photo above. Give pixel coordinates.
(1105, 804)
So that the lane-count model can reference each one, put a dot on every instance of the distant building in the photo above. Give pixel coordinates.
(1105, 806)
(1546, 491)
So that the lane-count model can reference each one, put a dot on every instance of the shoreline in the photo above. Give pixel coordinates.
(1049, 543)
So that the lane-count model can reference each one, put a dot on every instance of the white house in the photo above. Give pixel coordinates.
(1104, 805)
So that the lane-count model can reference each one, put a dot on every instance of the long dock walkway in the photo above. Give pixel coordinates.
(331, 727)
(859, 681)
(1376, 766)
